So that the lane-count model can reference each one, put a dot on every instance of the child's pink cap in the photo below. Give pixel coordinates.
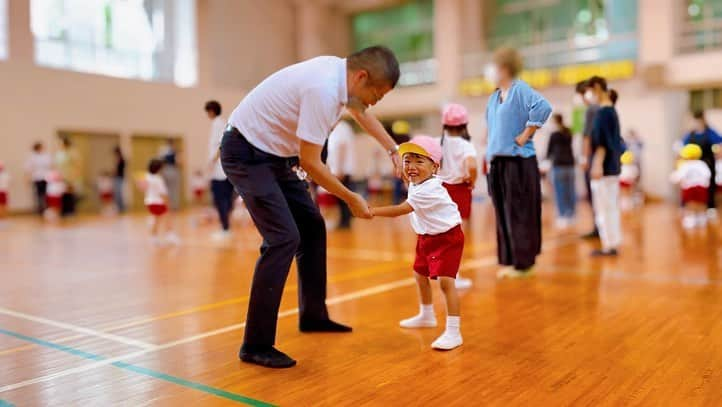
(455, 115)
(422, 145)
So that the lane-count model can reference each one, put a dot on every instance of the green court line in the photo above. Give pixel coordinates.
(139, 370)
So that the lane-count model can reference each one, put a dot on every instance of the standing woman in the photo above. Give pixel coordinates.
(560, 153)
(607, 148)
(119, 179)
(513, 114)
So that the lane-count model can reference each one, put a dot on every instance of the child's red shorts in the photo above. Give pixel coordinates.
(199, 193)
(439, 255)
(106, 197)
(157, 209)
(3, 198)
(461, 195)
(54, 202)
(695, 194)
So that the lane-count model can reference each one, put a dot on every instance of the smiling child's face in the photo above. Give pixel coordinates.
(418, 168)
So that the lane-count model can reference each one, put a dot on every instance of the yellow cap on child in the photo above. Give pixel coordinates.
(691, 152)
(627, 158)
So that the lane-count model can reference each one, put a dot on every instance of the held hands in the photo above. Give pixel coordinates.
(359, 207)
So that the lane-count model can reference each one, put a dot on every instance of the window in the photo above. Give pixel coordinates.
(3, 29)
(702, 26)
(151, 40)
(408, 29)
(704, 99)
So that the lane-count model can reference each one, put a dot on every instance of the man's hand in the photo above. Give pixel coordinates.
(396, 159)
(521, 139)
(359, 207)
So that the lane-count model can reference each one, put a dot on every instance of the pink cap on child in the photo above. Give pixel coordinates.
(423, 145)
(454, 115)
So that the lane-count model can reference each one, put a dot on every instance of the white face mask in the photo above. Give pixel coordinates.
(491, 73)
(591, 97)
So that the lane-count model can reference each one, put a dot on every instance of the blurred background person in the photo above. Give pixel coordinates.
(70, 166)
(561, 156)
(582, 88)
(221, 188)
(171, 174)
(119, 180)
(706, 138)
(37, 167)
(340, 161)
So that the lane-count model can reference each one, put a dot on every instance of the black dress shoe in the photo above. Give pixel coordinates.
(266, 356)
(605, 253)
(323, 326)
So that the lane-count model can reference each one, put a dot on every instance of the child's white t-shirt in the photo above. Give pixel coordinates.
(105, 184)
(55, 189)
(4, 181)
(455, 151)
(718, 170)
(629, 173)
(155, 190)
(434, 211)
(692, 173)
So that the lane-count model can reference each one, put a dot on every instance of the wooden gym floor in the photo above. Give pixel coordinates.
(92, 315)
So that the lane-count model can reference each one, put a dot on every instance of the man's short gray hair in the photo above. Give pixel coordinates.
(379, 61)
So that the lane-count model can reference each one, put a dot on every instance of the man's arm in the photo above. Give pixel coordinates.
(310, 159)
(392, 211)
(373, 127)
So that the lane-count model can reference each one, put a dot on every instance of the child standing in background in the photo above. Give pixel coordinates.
(693, 177)
(105, 191)
(628, 177)
(436, 220)
(458, 171)
(56, 188)
(156, 200)
(199, 183)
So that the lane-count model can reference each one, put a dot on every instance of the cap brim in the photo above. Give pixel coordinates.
(410, 147)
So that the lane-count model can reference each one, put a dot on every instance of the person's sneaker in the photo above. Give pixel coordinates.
(266, 357)
(172, 239)
(689, 222)
(221, 235)
(511, 272)
(712, 214)
(605, 253)
(418, 322)
(447, 342)
(323, 326)
(594, 234)
(462, 283)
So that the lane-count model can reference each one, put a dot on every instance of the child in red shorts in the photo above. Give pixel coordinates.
(105, 191)
(156, 200)
(440, 245)
(56, 187)
(693, 177)
(458, 170)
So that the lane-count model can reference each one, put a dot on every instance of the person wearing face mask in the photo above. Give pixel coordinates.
(706, 137)
(273, 138)
(514, 112)
(592, 105)
(607, 148)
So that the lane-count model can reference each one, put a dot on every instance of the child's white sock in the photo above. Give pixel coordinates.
(451, 338)
(425, 319)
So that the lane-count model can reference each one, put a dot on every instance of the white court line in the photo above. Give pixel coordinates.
(78, 329)
(485, 261)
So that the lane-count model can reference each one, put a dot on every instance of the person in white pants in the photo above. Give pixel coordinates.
(607, 148)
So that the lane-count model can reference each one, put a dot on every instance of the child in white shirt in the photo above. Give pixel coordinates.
(458, 171)
(628, 176)
(693, 177)
(436, 220)
(156, 200)
(104, 184)
(54, 195)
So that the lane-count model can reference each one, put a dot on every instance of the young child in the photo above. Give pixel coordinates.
(54, 196)
(436, 220)
(628, 180)
(4, 187)
(105, 191)
(199, 183)
(156, 200)
(458, 171)
(693, 177)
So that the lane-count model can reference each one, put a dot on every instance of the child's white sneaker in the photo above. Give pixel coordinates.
(418, 321)
(172, 239)
(689, 222)
(447, 341)
(462, 283)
